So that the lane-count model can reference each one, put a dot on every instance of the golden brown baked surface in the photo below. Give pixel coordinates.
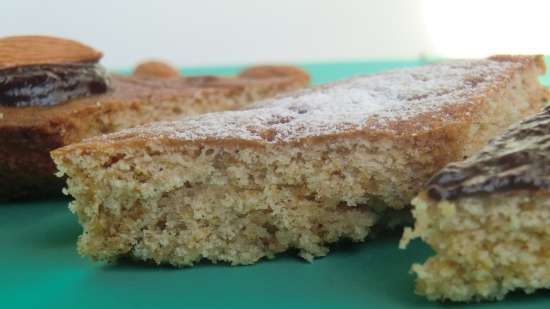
(29, 133)
(301, 170)
(29, 50)
(408, 102)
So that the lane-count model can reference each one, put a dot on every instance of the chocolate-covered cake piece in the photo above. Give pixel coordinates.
(487, 219)
(53, 92)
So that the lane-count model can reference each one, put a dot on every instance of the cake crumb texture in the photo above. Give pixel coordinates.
(486, 246)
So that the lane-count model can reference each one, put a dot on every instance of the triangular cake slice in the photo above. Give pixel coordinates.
(299, 171)
(487, 219)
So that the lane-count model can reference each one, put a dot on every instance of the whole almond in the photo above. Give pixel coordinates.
(157, 69)
(29, 50)
(274, 71)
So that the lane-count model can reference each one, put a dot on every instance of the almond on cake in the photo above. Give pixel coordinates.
(53, 92)
(301, 170)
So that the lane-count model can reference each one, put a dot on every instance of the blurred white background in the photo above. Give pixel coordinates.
(210, 32)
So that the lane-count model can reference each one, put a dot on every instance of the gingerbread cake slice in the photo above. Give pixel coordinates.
(53, 93)
(301, 170)
(487, 219)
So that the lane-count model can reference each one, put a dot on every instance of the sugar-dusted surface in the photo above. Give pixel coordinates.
(431, 93)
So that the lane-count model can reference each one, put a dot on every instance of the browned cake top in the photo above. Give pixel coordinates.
(17, 51)
(406, 101)
(519, 159)
(128, 90)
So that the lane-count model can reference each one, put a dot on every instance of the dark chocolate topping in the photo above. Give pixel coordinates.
(518, 159)
(50, 84)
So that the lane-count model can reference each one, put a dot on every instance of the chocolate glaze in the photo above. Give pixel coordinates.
(50, 84)
(518, 159)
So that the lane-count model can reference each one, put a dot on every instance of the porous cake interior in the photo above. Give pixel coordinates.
(180, 204)
(486, 246)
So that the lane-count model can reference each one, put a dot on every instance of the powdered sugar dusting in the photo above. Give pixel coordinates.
(366, 102)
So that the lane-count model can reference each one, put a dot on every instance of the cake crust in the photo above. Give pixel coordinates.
(292, 120)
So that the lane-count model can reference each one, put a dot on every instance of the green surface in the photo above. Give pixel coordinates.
(39, 267)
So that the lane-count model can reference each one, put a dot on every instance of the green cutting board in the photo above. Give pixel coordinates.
(39, 267)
